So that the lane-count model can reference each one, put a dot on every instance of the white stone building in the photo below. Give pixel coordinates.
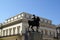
(16, 26)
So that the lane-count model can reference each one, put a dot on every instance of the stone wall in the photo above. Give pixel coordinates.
(33, 36)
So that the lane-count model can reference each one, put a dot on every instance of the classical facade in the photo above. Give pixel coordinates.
(58, 32)
(15, 27)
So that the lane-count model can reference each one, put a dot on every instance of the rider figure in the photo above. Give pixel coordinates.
(36, 22)
(34, 18)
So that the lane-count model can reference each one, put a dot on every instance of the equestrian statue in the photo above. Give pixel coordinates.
(34, 22)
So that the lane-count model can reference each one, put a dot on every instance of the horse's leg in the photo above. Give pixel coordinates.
(32, 28)
(37, 29)
(29, 26)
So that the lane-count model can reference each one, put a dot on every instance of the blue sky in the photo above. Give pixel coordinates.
(49, 9)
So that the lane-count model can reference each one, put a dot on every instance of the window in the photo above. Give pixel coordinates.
(15, 17)
(41, 19)
(8, 20)
(46, 32)
(27, 16)
(42, 31)
(14, 30)
(3, 32)
(6, 31)
(11, 19)
(10, 31)
(50, 33)
(49, 22)
(53, 33)
(18, 29)
(45, 21)
(22, 14)
(19, 16)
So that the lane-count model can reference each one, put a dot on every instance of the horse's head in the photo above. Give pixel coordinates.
(38, 19)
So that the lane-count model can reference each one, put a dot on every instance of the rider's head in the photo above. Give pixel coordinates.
(33, 15)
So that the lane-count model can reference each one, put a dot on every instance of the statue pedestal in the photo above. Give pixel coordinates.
(33, 36)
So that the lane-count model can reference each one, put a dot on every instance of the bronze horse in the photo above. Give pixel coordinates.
(34, 22)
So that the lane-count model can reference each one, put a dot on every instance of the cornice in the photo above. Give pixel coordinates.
(11, 23)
